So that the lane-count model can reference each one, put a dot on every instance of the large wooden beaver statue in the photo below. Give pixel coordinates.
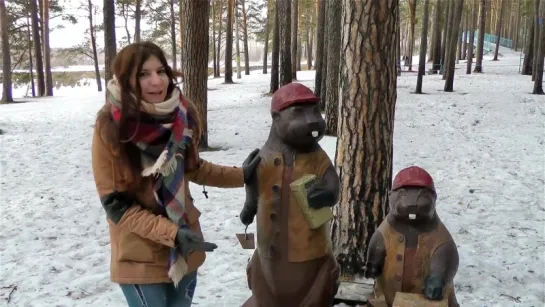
(293, 264)
(412, 251)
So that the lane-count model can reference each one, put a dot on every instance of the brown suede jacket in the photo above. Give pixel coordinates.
(140, 239)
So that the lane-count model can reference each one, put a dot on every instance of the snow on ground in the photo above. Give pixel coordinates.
(483, 144)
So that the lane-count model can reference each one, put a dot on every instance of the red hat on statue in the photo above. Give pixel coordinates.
(290, 94)
(413, 176)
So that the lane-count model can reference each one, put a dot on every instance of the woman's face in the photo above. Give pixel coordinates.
(153, 80)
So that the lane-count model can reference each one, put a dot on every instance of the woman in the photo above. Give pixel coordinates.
(144, 153)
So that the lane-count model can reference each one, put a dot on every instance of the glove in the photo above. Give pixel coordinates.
(249, 166)
(188, 241)
(250, 204)
(433, 288)
(372, 270)
(319, 197)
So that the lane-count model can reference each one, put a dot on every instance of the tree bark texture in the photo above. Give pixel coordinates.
(284, 14)
(437, 37)
(195, 59)
(498, 30)
(333, 64)
(366, 121)
(37, 48)
(275, 61)
(457, 17)
(294, 41)
(229, 43)
(310, 42)
(110, 42)
(47, 50)
(472, 28)
(480, 41)
(320, 8)
(538, 82)
(214, 41)
(423, 47)
(7, 95)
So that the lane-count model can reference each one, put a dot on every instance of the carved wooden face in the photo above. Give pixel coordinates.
(412, 204)
(300, 125)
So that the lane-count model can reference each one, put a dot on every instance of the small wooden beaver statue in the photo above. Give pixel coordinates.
(293, 264)
(412, 251)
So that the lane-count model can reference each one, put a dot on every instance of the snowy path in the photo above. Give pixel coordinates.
(484, 145)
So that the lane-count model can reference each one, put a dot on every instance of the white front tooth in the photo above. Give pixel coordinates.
(315, 133)
(412, 216)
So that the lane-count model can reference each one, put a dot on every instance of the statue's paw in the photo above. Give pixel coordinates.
(372, 270)
(434, 288)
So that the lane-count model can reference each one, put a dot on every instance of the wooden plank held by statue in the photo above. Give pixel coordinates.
(315, 217)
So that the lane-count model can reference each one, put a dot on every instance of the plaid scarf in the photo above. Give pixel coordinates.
(162, 135)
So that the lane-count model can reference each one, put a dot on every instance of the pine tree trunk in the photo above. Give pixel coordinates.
(412, 15)
(218, 55)
(237, 40)
(448, 36)
(309, 48)
(323, 87)
(529, 48)
(37, 48)
(30, 61)
(472, 28)
(94, 45)
(464, 35)
(275, 61)
(195, 59)
(365, 143)
(498, 31)
(284, 14)
(245, 31)
(517, 26)
(536, 37)
(423, 47)
(480, 41)
(459, 48)
(538, 82)
(444, 39)
(7, 95)
(172, 34)
(110, 42)
(138, 17)
(334, 11)
(47, 50)
(229, 43)
(457, 17)
(437, 37)
(267, 31)
(320, 8)
(294, 43)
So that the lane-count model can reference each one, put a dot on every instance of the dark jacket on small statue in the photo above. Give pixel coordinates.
(293, 265)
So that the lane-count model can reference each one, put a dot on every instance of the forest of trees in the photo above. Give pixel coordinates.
(330, 37)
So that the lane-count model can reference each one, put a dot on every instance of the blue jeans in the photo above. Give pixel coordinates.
(162, 294)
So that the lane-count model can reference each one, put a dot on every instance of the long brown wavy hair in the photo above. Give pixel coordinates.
(127, 65)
